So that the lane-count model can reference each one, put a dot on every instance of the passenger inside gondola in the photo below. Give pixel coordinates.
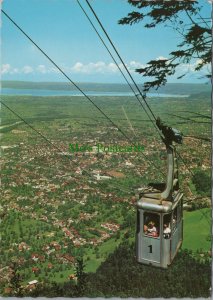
(167, 226)
(174, 219)
(151, 224)
(152, 230)
(166, 231)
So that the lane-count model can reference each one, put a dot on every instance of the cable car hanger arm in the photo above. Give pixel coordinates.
(169, 134)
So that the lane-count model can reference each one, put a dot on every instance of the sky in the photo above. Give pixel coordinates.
(61, 29)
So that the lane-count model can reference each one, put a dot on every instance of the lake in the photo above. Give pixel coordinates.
(38, 92)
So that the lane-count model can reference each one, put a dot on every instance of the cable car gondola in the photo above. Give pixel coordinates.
(159, 232)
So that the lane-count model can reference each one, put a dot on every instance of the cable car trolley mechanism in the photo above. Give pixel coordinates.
(159, 231)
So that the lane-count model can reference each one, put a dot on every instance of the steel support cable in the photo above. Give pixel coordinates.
(47, 140)
(139, 91)
(70, 80)
(204, 21)
(129, 74)
(110, 53)
(195, 198)
(180, 157)
(66, 76)
(199, 209)
(51, 144)
(188, 119)
(198, 138)
(184, 163)
(195, 113)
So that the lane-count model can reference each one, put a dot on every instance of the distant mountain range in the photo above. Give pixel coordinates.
(170, 88)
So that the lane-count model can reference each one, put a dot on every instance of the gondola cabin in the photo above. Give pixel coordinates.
(159, 232)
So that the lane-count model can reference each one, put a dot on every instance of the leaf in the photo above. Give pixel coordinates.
(133, 17)
(181, 76)
(195, 39)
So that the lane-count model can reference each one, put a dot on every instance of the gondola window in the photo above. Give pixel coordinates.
(151, 224)
(167, 226)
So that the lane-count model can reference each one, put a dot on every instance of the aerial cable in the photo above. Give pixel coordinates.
(110, 53)
(70, 80)
(198, 138)
(54, 146)
(50, 143)
(198, 114)
(67, 76)
(28, 124)
(124, 65)
(180, 157)
(188, 119)
(204, 21)
(143, 96)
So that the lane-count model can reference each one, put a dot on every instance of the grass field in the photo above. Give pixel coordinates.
(197, 230)
(196, 236)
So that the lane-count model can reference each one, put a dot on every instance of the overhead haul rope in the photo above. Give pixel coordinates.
(67, 76)
(110, 53)
(181, 158)
(195, 113)
(139, 120)
(50, 143)
(143, 97)
(124, 65)
(70, 80)
(198, 138)
(109, 39)
(188, 119)
(112, 44)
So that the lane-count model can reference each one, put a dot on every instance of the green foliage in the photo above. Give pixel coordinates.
(194, 30)
(129, 220)
(15, 283)
(202, 182)
(95, 232)
(197, 228)
(121, 276)
(81, 277)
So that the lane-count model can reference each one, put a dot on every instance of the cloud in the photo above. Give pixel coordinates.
(161, 58)
(8, 69)
(54, 70)
(78, 67)
(99, 67)
(190, 67)
(27, 70)
(112, 67)
(5, 68)
(42, 69)
(103, 68)
(190, 72)
(135, 65)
